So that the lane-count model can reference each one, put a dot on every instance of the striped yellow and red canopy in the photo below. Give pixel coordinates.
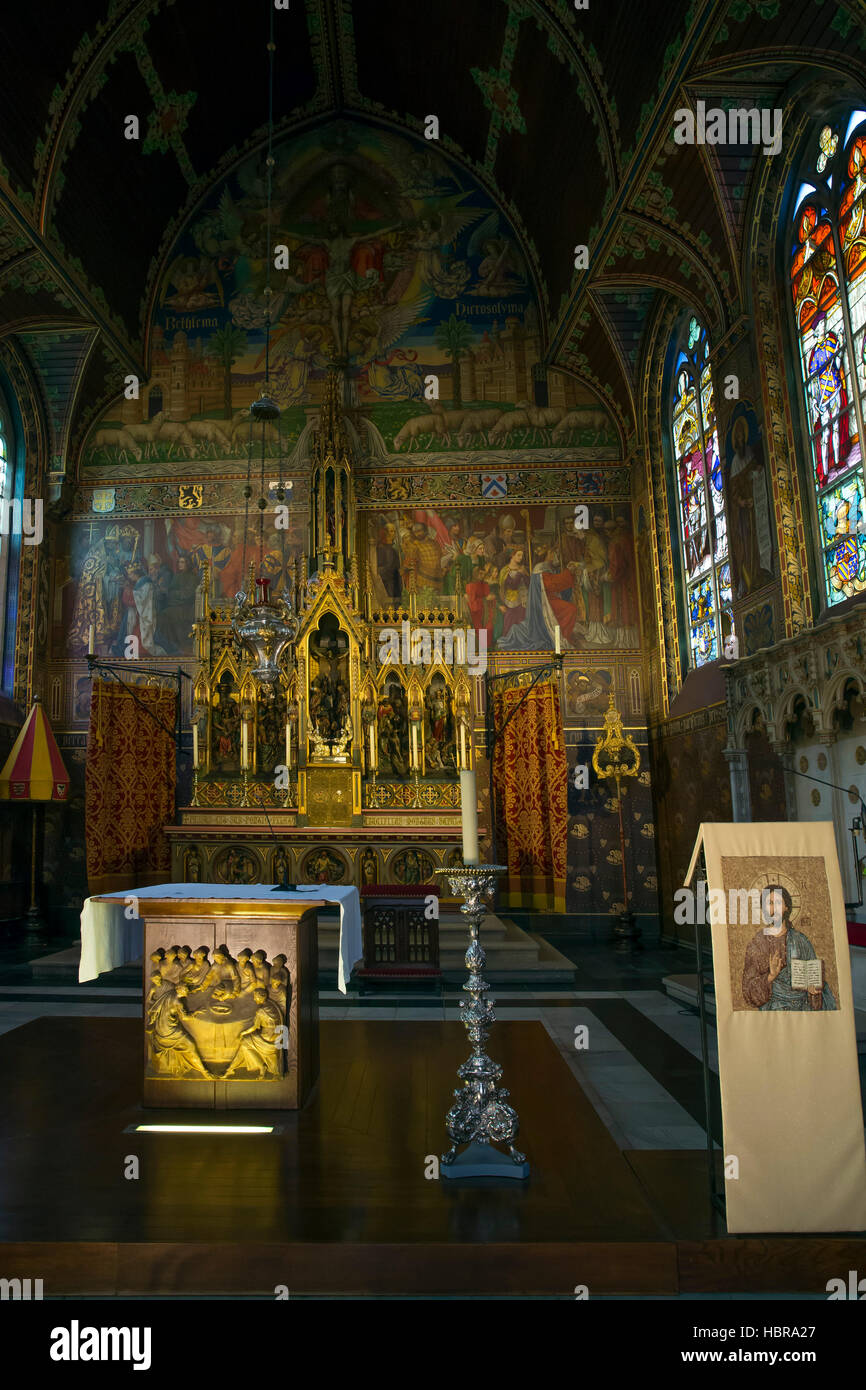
(34, 770)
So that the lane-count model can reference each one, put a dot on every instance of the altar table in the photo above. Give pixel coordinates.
(109, 938)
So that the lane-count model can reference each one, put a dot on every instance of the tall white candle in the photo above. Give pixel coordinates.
(372, 747)
(414, 744)
(464, 761)
(91, 642)
(557, 639)
(469, 817)
(195, 745)
(245, 750)
(288, 744)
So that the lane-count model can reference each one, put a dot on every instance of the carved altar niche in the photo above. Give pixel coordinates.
(331, 731)
(230, 1022)
(328, 681)
(411, 716)
(226, 697)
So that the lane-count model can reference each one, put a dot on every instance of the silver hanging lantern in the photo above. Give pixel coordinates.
(265, 626)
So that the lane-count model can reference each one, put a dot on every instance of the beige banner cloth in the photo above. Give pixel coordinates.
(791, 1110)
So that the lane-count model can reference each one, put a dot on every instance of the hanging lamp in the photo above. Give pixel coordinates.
(263, 625)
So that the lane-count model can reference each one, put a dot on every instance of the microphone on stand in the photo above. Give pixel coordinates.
(284, 886)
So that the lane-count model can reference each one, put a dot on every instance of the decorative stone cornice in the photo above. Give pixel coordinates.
(815, 665)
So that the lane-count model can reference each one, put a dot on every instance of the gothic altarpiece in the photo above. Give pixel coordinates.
(347, 769)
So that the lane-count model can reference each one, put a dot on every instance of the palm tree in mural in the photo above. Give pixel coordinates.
(226, 345)
(454, 338)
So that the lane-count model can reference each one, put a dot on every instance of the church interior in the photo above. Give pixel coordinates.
(432, 571)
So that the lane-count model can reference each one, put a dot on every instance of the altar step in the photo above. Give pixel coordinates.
(511, 952)
(512, 955)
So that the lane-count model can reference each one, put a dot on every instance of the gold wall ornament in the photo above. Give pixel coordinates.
(616, 755)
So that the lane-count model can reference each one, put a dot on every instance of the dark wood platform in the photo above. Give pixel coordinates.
(337, 1202)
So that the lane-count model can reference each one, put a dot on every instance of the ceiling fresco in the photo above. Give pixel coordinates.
(560, 119)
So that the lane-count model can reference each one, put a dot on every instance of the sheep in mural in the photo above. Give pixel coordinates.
(579, 420)
(448, 422)
(509, 422)
(542, 418)
(415, 429)
(240, 433)
(476, 422)
(174, 433)
(210, 432)
(144, 433)
(121, 440)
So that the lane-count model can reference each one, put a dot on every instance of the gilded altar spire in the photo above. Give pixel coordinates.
(332, 484)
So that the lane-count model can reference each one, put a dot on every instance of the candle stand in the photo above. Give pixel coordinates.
(480, 1116)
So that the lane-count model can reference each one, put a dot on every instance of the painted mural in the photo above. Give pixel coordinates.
(389, 263)
(524, 572)
(138, 577)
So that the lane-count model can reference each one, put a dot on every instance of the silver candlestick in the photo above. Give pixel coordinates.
(479, 1116)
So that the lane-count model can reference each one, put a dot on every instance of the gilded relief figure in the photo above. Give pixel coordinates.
(172, 1051)
(157, 989)
(279, 983)
(245, 970)
(169, 968)
(369, 867)
(223, 979)
(281, 865)
(439, 747)
(261, 969)
(259, 1049)
(226, 726)
(198, 969)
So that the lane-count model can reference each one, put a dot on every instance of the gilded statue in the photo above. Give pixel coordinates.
(198, 969)
(223, 979)
(172, 1050)
(279, 985)
(260, 1049)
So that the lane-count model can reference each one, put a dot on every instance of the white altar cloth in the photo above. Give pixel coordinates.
(109, 938)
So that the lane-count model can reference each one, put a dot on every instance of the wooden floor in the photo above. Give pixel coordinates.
(338, 1201)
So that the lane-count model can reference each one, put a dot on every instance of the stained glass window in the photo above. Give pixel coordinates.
(700, 499)
(828, 291)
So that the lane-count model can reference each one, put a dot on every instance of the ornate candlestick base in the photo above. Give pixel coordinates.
(479, 1116)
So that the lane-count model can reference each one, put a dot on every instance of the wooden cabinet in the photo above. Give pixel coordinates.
(401, 931)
